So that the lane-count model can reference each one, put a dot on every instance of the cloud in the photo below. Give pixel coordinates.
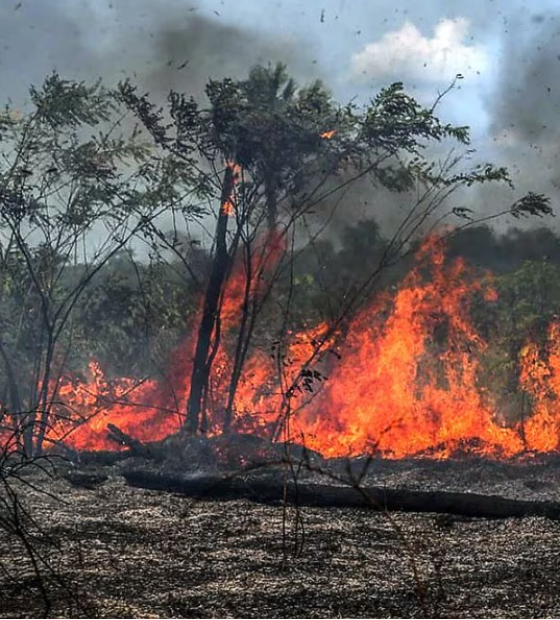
(407, 54)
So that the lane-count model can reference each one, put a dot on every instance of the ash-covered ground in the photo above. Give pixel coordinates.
(126, 552)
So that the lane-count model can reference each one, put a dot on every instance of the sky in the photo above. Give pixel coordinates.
(507, 51)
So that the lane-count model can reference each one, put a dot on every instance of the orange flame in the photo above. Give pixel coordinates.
(395, 392)
(407, 382)
(327, 135)
(228, 207)
(541, 380)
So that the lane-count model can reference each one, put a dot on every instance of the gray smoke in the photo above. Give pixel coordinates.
(525, 109)
(528, 99)
(159, 45)
(200, 48)
(165, 44)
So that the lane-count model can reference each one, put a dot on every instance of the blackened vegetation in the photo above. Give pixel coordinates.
(135, 553)
(206, 348)
(70, 168)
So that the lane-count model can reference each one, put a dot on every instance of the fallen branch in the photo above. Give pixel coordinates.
(137, 448)
(93, 457)
(319, 495)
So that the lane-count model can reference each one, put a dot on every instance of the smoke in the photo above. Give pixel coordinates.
(159, 45)
(181, 49)
(169, 44)
(201, 48)
(525, 107)
(35, 40)
(527, 104)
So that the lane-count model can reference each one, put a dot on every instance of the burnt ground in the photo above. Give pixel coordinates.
(128, 552)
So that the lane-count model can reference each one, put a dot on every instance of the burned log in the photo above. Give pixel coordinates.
(321, 495)
(136, 447)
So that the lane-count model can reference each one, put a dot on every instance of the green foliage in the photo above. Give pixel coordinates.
(532, 204)
(77, 184)
(131, 316)
(528, 301)
(289, 139)
(396, 122)
(324, 274)
(76, 169)
(62, 103)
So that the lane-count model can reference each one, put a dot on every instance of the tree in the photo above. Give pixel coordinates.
(75, 189)
(265, 153)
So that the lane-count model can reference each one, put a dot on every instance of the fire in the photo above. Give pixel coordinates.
(146, 410)
(327, 135)
(228, 206)
(248, 273)
(397, 391)
(541, 379)
(404, 378)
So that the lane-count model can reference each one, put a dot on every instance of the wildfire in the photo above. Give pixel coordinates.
(327, 135)
(541, 379)
(228, 206)
(246, 278)
(399, 393)
(405, 379)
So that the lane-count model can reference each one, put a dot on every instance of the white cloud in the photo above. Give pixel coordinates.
(407, 54)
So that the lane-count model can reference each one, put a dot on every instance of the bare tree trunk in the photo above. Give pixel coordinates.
(14, 402)
(44, 403)
(250, 300)
(271, 201)
(203, 356)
